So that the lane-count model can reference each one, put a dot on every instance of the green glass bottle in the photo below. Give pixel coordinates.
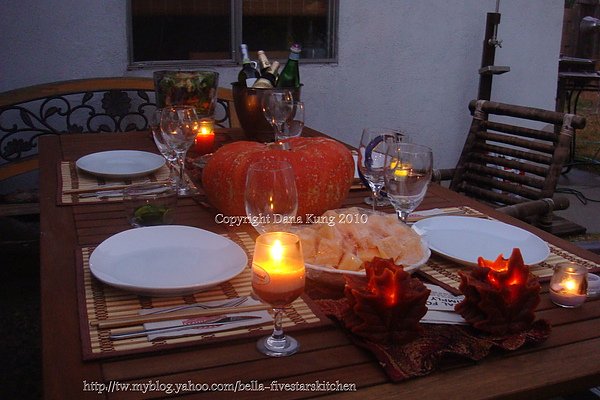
(290, 75)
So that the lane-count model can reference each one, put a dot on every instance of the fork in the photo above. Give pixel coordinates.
(230, 303)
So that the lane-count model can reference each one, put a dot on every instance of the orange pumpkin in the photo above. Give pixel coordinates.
(324, 170)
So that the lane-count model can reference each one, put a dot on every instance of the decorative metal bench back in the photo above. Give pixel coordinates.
(102, 110)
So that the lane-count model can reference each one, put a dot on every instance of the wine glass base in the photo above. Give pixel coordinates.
(187, 191)
(278, 347)
(382, 201)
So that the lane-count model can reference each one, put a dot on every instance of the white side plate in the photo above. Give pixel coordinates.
(120, 163)
(465, 239)
(167, 260)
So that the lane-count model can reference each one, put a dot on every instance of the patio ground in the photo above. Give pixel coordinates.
(582, 188)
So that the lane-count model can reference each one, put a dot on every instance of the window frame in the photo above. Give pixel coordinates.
(236, 40)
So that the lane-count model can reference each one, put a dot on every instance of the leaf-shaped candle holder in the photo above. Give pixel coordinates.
(500, 296)
(387, 306)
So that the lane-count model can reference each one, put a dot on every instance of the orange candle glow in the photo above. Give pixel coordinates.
(278, 268)
(402, 170)
(508, 275)
(205, 136)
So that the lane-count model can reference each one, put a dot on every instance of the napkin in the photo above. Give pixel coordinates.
(425, 353)
(263, 317)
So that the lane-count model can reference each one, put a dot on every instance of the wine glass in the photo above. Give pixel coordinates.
(270, 198)
(295, 123)
(278, 277)
(179, 125)
(371, 159)
(277, 107)
(166, 151)
(408, 170)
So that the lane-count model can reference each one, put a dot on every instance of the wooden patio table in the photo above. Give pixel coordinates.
(567, 362)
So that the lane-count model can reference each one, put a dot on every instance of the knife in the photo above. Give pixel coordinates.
(187, 325)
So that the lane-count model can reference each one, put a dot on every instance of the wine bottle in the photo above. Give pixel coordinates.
(248, 75)
(263, 62)
(269, 78)
(290, 75)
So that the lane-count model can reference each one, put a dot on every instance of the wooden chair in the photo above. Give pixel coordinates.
(85, 105)
(509, 163)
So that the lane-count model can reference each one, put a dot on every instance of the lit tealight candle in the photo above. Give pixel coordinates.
(205, 136)
(568, 287)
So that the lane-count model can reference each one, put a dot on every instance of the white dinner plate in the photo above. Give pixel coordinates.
(465, 239)
(168, 260)
(120, 163)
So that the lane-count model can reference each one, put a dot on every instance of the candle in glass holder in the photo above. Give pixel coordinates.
(205, 136)
(278, 268)
(278, 279)
(568, 287)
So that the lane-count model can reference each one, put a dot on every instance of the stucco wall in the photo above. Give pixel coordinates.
(408, 64)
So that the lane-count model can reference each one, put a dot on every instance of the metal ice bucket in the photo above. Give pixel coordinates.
(248, 106)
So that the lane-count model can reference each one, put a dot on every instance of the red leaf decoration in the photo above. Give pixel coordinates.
(500, 296)
(388, 305)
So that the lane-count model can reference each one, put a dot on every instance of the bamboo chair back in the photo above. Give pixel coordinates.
(504, 163)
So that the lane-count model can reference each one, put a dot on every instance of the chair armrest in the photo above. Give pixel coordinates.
(535, 208)
(19, 167)
(440, 175)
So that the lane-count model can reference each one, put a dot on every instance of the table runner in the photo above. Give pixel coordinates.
(444, 272)
(423, 355)
(70, 177)
(98, 301)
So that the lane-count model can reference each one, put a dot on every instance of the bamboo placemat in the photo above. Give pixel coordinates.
(98, 301)
(70, 178)
(444, 272)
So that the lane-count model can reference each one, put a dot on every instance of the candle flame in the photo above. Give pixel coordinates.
(507, 275)
(277, 251)
(401, 170)
(570, 285)
(206, 128)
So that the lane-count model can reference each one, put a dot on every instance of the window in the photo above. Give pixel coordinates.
(209, 32)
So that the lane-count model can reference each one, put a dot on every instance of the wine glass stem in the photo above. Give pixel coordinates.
(277, 324)
(181, 162)
(402, 215)
(278, 130)
(375, 195)
(173, 173)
